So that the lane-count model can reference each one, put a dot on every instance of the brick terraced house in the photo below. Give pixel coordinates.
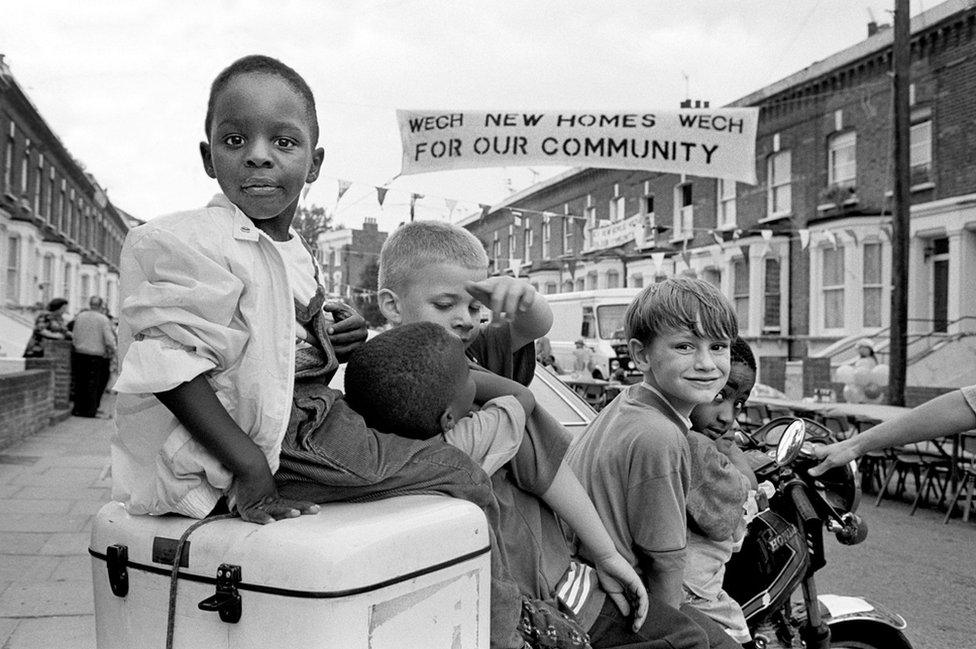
(60, 236)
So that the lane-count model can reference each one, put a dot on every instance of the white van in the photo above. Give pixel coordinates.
(593, 316)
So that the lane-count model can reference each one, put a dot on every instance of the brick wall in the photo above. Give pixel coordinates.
(26, 404)
(57, 358)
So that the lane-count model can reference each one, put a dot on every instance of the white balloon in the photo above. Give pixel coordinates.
(879, 375)
(853, 394)
(872, 391)
(862, 376)
(845, 374)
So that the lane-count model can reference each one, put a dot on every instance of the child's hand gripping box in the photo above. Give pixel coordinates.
(405, 572)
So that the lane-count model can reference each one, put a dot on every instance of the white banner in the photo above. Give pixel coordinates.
(719, 143)
(616, 233)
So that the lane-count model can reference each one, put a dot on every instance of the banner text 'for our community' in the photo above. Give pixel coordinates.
(718, 143)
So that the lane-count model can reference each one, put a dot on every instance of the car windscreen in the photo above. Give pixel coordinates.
(550, 393)
(559, 400)
(610, 318)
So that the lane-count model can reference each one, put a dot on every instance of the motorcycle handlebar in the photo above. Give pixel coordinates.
(797, 493)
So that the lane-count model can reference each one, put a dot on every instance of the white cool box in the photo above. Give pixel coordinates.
(411, 571)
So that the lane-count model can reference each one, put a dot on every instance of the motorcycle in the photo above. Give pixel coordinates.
(784, 548)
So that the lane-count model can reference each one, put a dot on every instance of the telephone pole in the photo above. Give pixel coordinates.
(901, 228)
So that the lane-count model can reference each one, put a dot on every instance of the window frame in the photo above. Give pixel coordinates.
(924, 166)
(12, 270)
(726, 213)
(8, 159)
(740, 290)
(776, 185)
(875, 287)
(546, 237)
(568, 224)
(843, 141)
(512, 243)
(683, 220)
(768, 323)
(835, 266)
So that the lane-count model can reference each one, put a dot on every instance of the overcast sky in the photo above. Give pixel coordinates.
(124, 84)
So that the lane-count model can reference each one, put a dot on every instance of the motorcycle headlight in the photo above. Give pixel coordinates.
(839, 486)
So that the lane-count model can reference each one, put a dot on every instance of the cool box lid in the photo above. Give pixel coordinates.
(344, 549)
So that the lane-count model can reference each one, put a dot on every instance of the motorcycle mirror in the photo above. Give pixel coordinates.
(790, 442)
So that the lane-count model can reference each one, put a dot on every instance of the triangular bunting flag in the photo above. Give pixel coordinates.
(767, 236)
(451, 204)
(886, 232)
(344, 186)
(414, 198)
(484, 210)
(852, 235)
(716, 254)
(381, 194)
(514, 265)
(804, 239)
(830, 236)
(718, 237)
(658, 259)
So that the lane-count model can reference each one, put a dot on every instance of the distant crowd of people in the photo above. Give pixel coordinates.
(92, 333)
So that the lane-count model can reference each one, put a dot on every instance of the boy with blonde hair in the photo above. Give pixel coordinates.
(634, 459)
(437, 272)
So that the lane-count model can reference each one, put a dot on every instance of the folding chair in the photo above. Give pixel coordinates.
(967, 484)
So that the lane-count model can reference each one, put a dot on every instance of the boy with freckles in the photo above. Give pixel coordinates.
(634, 459)
(435, 272)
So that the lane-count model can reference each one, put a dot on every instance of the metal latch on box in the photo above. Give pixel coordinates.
(116, 560)
(226, 601)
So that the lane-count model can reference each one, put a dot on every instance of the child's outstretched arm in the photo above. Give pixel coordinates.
(569, 500)
(529, 314)
(253, 493)
(490, 386)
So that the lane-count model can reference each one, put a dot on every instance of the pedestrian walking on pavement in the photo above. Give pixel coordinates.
(94, 348)
(48, 325)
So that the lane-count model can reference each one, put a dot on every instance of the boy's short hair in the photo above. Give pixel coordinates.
(417, 245)
(681, 304)
(266, 65)
(741, 352)
(402, 380)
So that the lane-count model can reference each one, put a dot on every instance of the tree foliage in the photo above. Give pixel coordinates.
(310, 222)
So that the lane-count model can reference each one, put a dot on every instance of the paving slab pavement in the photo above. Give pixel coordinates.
(51, 486)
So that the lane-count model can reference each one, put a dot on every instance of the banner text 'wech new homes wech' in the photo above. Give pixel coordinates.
(719, 143)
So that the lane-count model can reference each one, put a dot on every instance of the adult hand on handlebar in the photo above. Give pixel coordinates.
(833, 455)
(624, 587)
